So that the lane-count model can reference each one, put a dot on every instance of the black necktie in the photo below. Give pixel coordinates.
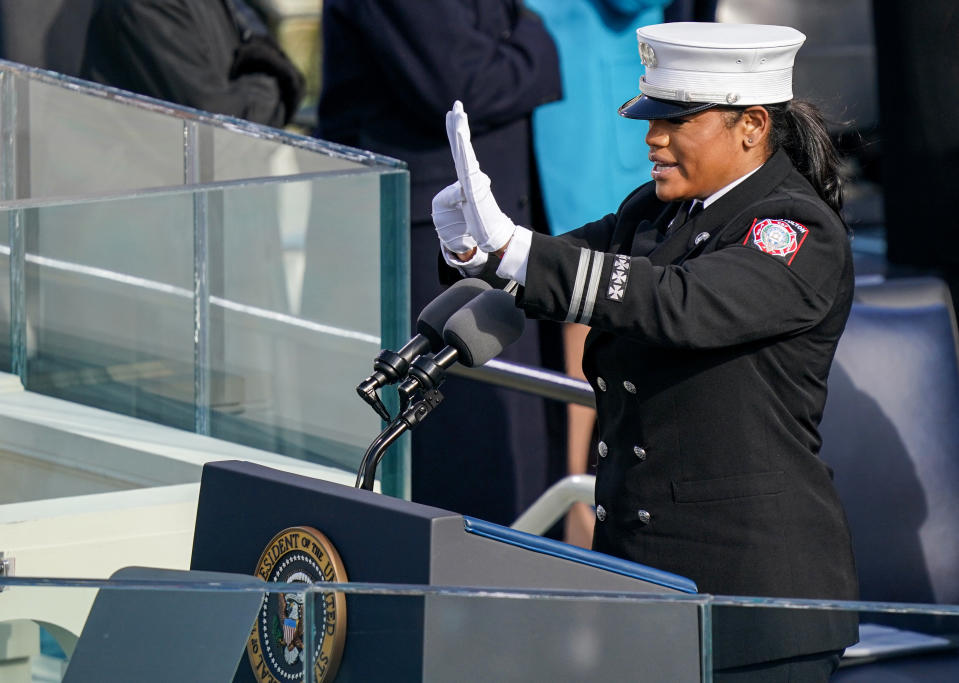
(687, 210)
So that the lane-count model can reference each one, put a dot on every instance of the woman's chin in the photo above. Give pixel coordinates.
(665, 192)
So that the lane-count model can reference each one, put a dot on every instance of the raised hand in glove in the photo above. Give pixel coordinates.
(449, 221)
(459, 247)
(485, 222)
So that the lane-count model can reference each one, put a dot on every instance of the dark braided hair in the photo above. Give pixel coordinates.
(799, 128)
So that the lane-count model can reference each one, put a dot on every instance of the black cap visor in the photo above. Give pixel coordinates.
(649, 108)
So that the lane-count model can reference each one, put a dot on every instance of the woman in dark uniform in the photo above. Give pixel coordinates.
(716, 295)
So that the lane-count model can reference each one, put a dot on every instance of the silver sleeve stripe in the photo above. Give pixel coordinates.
(577, 296)
(599, 258)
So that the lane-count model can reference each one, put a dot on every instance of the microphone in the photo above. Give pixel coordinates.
(475, 334)
(390, 367)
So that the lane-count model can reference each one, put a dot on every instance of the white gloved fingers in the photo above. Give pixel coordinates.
(461, 145)
(449, 197)
(456, 241)
(449, 220)
(465, 155)
(452, 137)
(452, 230)
(451, 132)
(471, 268)
(488, 225)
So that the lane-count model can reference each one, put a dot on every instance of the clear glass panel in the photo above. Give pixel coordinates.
(360, 632)
(77, 145)
(374, 632)
(396, 632)
(295, 315)
(97, 140)
(199, 271)
(4, 293)
(237, 155)
(883, 641)
(162, 632)
(109, 287)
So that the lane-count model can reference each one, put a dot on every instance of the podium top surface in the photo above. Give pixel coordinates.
(591, 558)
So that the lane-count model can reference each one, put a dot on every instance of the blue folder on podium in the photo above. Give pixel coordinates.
(449, 636)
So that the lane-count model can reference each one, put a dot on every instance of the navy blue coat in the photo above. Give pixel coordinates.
(391, 71)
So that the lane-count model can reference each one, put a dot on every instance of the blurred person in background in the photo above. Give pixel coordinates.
(589, 158)
(917, 56)
(691, 10)
(390, 70)
(213, 55)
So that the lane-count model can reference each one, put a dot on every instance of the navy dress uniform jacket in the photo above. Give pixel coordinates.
(709, 352)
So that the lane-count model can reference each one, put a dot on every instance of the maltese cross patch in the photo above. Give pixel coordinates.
(777, 237)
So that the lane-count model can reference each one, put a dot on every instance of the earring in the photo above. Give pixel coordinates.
(749, 140)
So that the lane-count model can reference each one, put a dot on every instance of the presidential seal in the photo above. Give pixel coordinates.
(276, 648)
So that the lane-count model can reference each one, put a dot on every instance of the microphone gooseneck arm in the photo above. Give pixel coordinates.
(408, 419)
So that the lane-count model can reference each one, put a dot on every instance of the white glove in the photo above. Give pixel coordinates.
(449, 221)
(451, 228)
(489, 226)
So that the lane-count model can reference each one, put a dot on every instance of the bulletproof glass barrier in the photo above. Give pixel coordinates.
(227, 627)
(197, 270)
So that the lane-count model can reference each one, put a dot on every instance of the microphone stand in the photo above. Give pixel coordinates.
(426, 374)
(413, 415)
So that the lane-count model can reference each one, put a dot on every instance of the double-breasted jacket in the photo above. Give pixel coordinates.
(710, 347)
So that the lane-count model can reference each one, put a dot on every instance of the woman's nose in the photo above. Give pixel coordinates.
(656, 136)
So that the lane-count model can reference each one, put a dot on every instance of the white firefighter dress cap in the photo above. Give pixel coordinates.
(692, 66)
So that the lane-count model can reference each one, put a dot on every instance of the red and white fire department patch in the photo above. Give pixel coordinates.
(777, 237)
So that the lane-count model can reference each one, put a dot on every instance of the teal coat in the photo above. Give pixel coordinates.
(588, 156)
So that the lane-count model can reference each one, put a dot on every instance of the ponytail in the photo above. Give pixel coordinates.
(798, 128)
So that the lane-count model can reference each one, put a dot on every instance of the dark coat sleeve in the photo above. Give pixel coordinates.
(437, 51)
(181, 52)
(732, 295)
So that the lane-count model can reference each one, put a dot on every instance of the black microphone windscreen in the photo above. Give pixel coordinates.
(434, 315)
(484, 327)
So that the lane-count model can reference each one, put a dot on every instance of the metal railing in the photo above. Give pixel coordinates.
(532, 380)
(577, 488)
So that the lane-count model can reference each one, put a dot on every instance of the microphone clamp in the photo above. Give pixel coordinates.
(426, 373)
(367, 391)
(389, 367)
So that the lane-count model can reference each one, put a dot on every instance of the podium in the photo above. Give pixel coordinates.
(450, 635)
